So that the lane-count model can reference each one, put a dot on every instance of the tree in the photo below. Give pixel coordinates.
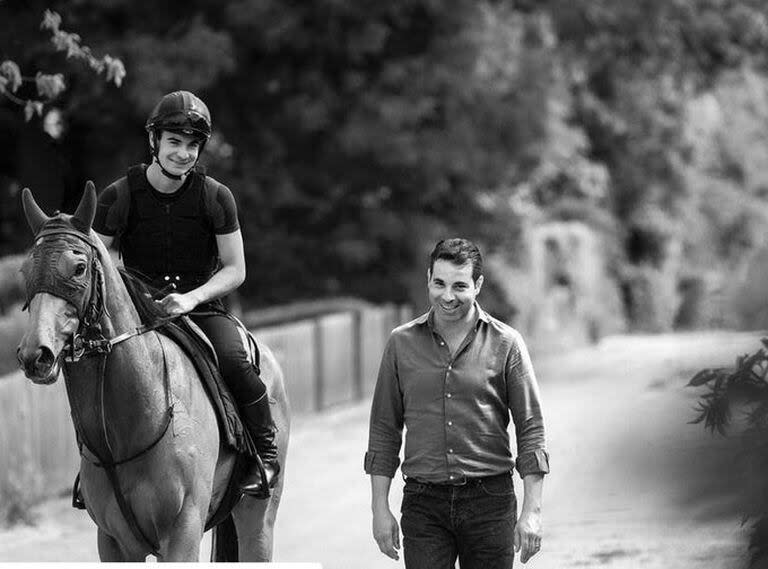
(50, 85)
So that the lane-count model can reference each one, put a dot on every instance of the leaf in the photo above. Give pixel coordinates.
(701, 378)
(31, 108)
(10, 70)
(50, 86)
(115, 70)
(73, 48)
(51, 21)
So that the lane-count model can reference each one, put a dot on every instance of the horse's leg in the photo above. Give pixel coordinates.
(110, 550)
(184, 540)
(255, 521)
(254, 532)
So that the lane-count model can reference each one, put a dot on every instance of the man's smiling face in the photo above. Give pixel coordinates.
(452, 291)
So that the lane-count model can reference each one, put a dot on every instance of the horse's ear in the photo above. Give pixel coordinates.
(86, 211)
(35, 215)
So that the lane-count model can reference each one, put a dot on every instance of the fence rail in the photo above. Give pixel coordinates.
(327, 360)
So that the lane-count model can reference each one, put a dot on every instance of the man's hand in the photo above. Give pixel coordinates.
(386, 532)
(175, 304)
(527, 538)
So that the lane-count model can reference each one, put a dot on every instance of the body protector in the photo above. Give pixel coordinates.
(169, 241)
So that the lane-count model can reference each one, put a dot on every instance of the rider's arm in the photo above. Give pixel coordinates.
(232, 272)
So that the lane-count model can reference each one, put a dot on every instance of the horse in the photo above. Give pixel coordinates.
(154, 465)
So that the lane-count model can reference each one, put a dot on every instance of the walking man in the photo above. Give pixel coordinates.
(452, 377)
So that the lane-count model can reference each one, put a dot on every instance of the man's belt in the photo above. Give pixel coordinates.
(460, 480)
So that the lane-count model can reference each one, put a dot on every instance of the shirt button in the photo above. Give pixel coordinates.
(442, 343)
(450, 450)
(451, 477)
(448, 395)
(450, 366)
(450, 423)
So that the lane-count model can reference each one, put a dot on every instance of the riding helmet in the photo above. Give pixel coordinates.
(183, 112)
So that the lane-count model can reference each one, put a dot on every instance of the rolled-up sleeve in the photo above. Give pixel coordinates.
(386, 424)
(524, 402)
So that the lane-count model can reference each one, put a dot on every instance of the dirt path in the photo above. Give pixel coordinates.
(625, 490)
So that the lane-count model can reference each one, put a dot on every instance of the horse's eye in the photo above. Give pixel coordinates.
(80, 270)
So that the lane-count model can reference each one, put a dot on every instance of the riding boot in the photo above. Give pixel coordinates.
(257, 418)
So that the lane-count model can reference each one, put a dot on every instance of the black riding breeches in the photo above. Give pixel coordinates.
(241, 377)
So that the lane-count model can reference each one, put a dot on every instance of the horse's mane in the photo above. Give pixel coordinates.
(142, 296)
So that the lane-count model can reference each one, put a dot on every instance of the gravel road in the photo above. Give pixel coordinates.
(632, 483)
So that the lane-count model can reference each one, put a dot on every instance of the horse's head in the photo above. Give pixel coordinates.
(63, 281)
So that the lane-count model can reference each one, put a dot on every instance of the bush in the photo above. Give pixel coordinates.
(650, 298)
(735, 403)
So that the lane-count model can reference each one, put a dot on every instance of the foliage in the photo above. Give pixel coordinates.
(353, 133)
(745, 388)
(50, 85)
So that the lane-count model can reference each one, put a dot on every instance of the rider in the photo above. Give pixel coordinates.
(176, 226)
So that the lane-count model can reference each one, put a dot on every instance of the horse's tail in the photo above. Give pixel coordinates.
(224, 544)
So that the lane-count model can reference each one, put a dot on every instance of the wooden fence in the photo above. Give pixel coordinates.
(328, 360)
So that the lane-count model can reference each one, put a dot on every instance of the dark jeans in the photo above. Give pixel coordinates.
(241, 377)
(474, 522)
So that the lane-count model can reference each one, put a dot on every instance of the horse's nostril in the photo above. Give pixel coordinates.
(45, 358)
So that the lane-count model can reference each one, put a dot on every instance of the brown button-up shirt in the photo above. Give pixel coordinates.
(455, 408)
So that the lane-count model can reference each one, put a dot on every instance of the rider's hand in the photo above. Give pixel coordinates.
(175, 304)
(386, 532)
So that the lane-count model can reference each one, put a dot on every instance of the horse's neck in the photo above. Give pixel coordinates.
(125, 392)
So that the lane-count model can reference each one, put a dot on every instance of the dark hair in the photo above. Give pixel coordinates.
(458, 251)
